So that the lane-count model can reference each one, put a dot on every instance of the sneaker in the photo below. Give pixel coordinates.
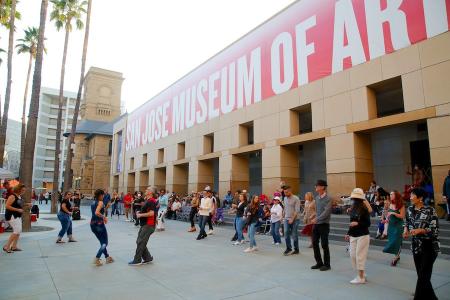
(273, 243)
(248, 250)
(277, 244)
(316, 266)
(146, 262)
(237, 243)
(295, 251)
(98, 262)
(255, 248)
(358, 280)
(109, 260)
(325, 268)
(72, 241)
(133, 263)
(210, 232)
(287, 252)
(58, 241)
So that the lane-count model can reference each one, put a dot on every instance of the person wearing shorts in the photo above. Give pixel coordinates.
(13, 215)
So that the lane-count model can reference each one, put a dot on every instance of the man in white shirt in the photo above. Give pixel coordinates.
(204, 211)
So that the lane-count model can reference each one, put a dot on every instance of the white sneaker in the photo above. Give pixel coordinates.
(248, 250)
(237, 243)
(242, 242)
(273, 243)
(277, 244)
(210, 232)
(358, 280)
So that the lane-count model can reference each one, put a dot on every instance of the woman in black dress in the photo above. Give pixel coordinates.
(422, 225)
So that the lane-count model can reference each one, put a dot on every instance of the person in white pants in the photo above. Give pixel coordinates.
(358, 234)
(163, 200)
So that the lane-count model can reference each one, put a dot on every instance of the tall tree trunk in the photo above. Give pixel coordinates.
(24, 124)
(58, 126)
(4, 123)
(28, 155)
(68, 176)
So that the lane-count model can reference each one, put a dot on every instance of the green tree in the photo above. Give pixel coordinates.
(5, 12)
(28, 156)
(27, 45)
(68, 173)
(64, 13)
(7, 9)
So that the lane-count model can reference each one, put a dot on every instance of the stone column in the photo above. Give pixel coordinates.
(279, 163)
(349, 162)
(439, 140)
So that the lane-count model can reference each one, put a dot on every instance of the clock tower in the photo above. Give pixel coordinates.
(102, 94)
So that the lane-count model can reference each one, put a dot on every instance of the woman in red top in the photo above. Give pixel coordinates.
(127, 204)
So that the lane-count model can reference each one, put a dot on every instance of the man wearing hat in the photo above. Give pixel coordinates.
(321, 227)
(204, 210)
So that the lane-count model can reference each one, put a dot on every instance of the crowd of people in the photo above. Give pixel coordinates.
(399, 219)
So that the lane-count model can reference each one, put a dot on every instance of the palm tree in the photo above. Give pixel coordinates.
(28, 155)
(68, 174)
(64, 12)
(5, 12)
(27, 45)
(4, 121)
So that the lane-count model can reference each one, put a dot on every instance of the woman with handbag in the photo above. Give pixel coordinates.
(252, 216)
(309, 214)
(13, 215)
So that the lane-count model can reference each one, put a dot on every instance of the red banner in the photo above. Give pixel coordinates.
(307, 41)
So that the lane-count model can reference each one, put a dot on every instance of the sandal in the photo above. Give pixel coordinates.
(16, 249)
(395, 261)
(60, 242)
(7, 250)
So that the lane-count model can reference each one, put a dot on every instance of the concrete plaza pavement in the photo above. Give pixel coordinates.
(188, 269)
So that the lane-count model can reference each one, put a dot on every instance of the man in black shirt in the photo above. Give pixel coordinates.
(147, 219)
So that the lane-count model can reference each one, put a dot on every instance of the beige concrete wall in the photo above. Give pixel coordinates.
(343, 108)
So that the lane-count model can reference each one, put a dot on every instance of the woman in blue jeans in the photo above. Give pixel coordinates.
(276, 215)
(253, 213)
(64, 216)
(240, 208)
(98, 221)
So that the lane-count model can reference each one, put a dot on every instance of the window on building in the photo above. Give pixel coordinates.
(132, 163)
(110, 147)
(208, 143)
(388, 97)
(246, 134)
(144, 160)
(160, 156)
(301, 119)
(181, 150)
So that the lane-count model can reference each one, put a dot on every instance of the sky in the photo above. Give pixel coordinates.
(153, 43)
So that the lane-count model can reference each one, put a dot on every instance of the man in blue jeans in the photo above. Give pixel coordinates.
(291, 220)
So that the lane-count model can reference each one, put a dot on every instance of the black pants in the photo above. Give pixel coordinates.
(209, 222)
(320, 232)
(192, 216)
(424, 267)
(142, 253)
